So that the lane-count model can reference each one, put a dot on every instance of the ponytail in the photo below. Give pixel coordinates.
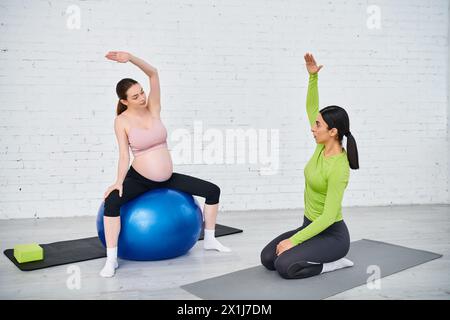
(352, 151)
(120, 108)
(337, 117)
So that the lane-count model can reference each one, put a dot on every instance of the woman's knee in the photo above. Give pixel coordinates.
(112, 204)
(267, 258)
(213, 194)
(282, 266)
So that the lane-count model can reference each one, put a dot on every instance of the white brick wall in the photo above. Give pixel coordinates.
(229, 64)
(448, 112)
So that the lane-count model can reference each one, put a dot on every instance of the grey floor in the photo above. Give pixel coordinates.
(425, 227)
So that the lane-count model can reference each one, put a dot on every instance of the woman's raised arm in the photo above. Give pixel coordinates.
(154, 100)
(312, 97)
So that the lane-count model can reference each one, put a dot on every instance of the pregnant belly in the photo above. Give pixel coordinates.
(155, 164)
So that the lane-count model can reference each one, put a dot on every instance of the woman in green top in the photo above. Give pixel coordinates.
(323, 240)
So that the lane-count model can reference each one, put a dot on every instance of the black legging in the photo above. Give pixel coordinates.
(135, 184)
(298, 262)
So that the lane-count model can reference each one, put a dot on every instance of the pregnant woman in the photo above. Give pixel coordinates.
(138, 125)
(323, 240)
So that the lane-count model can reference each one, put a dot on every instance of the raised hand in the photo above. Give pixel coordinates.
(119, 56)
(311, 64)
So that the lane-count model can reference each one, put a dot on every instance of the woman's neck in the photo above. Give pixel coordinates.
(332, 148)
(139, 112)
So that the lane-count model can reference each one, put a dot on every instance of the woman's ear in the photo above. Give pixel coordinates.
(334, 132)
(125, 102)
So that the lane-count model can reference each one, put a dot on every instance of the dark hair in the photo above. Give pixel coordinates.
(337, 117)
(121, 90)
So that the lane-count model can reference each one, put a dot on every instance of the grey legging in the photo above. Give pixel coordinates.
(307, 258)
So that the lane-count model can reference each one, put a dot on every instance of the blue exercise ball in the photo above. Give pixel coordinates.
(159, 224)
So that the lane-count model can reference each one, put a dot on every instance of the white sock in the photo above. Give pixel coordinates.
(335, 265)
(211, 243)
(111, 263)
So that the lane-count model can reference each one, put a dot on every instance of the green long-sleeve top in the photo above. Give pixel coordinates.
(325, 179)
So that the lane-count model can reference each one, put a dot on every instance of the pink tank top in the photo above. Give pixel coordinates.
(143, 140)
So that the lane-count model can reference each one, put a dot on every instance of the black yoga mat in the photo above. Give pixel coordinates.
(70, 251)
(262, 284)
